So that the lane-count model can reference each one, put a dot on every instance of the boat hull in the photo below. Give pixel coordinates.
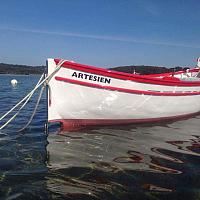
(80, 96)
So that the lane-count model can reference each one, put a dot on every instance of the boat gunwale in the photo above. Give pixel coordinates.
(126, 76)
(173, 73)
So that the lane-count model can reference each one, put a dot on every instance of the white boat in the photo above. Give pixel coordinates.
(81, 95)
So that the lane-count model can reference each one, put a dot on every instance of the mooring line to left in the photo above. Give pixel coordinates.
(29, 95)
(35, 109)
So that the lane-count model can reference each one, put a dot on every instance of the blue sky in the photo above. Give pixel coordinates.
(103, 33)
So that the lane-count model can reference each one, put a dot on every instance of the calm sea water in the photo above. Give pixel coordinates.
(152, 161)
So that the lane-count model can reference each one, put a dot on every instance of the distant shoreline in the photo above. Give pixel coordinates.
(20, 69)
(141, 69)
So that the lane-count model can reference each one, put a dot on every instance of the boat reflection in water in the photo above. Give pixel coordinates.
(192, 146)
(125, 161)
(147, 162)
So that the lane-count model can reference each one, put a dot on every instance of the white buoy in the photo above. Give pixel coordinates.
(13, 82)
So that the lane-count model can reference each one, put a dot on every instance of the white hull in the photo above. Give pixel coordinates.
(90, 98)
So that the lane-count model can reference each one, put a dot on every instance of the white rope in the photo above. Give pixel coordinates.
(28, 96)
(35, 109)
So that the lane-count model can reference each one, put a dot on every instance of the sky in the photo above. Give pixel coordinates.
(103, 33)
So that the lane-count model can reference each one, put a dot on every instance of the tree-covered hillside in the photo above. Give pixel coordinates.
(24, 69)
(20, 69)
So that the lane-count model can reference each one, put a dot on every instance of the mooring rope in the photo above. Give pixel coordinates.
(15, 115)
(26, 97)
(35, 109)
(29, 95)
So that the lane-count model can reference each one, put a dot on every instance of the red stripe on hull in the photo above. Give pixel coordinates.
(75, 124)
(140, 92)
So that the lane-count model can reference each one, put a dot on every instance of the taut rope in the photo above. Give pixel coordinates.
(29, 95)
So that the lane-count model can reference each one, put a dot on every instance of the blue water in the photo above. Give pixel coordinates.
(152, 161)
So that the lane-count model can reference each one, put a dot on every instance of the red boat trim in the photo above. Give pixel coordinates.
(172, 73)
(126, 76)
(154, 93)
(72, 124)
